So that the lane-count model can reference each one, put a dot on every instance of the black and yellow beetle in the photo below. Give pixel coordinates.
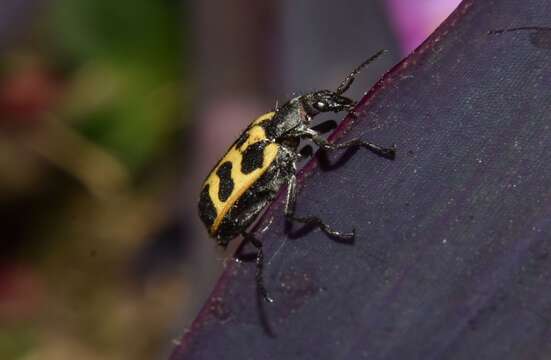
(263, 159)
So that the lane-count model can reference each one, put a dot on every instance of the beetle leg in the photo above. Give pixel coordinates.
(321, 128)
(259, 266)
(310, 220)
(389, 153)
(265, 228)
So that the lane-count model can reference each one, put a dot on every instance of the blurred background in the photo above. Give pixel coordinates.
(111, 114)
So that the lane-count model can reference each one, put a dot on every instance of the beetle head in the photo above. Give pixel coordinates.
(326, 101)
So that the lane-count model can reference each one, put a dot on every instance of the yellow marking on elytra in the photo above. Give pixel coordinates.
(242, 182)
(262, 118)
(256, 134)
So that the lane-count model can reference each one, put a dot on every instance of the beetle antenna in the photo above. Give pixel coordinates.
(528, 28)
(350, 78)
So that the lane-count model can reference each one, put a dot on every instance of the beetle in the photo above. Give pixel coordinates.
(263, 160)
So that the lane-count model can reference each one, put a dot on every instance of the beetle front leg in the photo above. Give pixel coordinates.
(389, 153)
(310, 220)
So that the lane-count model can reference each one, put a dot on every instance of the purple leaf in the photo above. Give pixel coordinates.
(451, 258)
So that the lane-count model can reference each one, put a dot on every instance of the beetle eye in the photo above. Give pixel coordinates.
(320, 105)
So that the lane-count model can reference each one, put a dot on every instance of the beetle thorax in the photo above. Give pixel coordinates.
(289, 116)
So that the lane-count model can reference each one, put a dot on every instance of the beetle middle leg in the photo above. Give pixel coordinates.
(309, 220)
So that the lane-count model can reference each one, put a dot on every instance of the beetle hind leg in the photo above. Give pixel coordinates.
(259, 276)
(317, 222)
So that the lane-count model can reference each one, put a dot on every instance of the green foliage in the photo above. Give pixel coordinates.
(16, 341)
(134, 47)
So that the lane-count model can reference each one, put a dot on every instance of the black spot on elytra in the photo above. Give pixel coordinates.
(244, 136)
(226, 182)
(247, 208)
(253, 157)
(207, 211)
(271, 128)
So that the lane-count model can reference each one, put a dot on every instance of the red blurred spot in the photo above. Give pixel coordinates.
(25, 95)
(21, 292)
